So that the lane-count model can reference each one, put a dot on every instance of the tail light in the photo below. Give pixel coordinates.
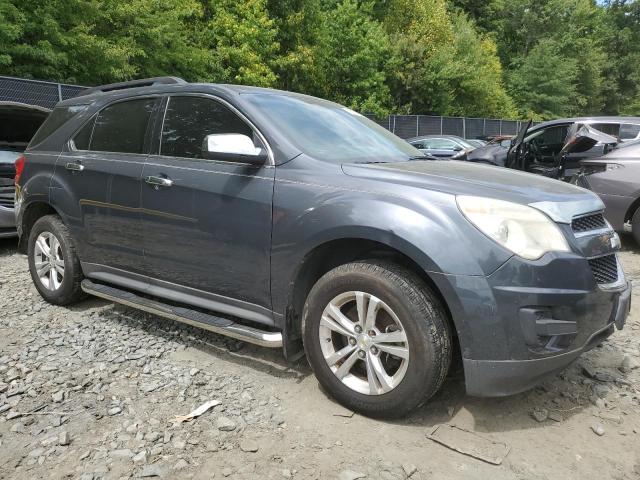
(19, 168)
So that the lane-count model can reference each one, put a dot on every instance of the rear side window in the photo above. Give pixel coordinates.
(608, 128)
(440, 144)
(58, 117)
(189, 120)
(629, 131)
(119, 128)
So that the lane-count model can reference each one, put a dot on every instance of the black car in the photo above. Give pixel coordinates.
(289, 221)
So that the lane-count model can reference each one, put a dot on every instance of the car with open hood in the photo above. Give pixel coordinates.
(293, 222)
(18, 123)
(555, 148)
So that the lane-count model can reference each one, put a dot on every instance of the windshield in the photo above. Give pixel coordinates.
(328, 131)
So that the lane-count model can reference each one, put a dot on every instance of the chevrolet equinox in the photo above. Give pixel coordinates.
(293, 222)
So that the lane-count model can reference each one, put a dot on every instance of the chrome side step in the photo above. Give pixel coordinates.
(223, 326)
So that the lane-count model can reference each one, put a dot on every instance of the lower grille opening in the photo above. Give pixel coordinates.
(605, 269)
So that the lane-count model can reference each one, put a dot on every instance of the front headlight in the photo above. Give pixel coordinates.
(525, 231)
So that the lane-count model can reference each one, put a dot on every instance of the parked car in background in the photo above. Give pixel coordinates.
(18, 123)
(442, 146)
(546, 148)
(615, 177)
(494, 153)
(476, 142)
(290, 221)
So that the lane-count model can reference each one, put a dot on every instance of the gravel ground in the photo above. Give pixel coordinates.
(93, 392)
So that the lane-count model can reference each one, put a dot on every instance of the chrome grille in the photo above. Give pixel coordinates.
(7, 192)
(588, 222)
(605, 269)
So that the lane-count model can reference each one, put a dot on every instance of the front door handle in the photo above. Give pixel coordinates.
(74, 166)
(159, 181)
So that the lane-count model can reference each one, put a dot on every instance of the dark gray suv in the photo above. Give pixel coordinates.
(289, 221)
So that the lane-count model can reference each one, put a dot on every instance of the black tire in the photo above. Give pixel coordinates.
(635, 226)
(423, 319)
(69, 291)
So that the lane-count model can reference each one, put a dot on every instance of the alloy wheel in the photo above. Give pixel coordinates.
(48, 261)
(364, 343)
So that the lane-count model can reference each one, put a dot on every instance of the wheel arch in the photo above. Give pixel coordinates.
(32, 212)
(632, 209)
(332, 253)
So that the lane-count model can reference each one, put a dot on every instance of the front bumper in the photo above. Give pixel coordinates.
(493, 378)
(528, 319)
(7, 223)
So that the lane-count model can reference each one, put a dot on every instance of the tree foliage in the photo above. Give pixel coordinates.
(498, 58)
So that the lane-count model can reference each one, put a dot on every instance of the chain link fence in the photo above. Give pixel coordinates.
(407, 126)
(36, 92)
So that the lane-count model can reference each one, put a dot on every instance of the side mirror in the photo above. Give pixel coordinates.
(232, 147)
(457, 148)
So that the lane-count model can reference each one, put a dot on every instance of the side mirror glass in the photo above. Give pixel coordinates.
(232, 147)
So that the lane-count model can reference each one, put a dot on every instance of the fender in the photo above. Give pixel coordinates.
(425, 226)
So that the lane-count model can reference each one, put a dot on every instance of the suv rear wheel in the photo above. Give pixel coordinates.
(53, 263)
(377, 338)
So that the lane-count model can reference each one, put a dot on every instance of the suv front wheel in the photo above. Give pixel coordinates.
(53, 263)
(377, 338)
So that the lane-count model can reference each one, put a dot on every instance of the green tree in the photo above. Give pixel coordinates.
(544, 82)
(440, 64)
(298, 26)
(621, 33)
(351, 54)
(242, 40)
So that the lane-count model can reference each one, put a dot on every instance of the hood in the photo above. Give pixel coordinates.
(582, 137)
(494, 154)
(561, 201)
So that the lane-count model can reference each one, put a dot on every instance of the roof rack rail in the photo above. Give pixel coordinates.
(143, 82)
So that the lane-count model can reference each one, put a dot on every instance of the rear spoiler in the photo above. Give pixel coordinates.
(143, 82)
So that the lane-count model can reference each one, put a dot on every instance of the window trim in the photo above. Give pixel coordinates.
(71, 146)
(270, 158)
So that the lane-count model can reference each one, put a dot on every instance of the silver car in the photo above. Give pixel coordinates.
(615, 177)
(18, 123)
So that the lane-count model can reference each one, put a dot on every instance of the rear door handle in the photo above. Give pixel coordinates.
(159, 181)
(74, 166)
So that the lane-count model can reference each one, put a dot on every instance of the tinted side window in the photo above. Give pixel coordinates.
(441, 144)
(551, 139)
(629, 131)
(58, 117)
(122, 127)
(188, 120)
(83, 137)
(608, 128)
